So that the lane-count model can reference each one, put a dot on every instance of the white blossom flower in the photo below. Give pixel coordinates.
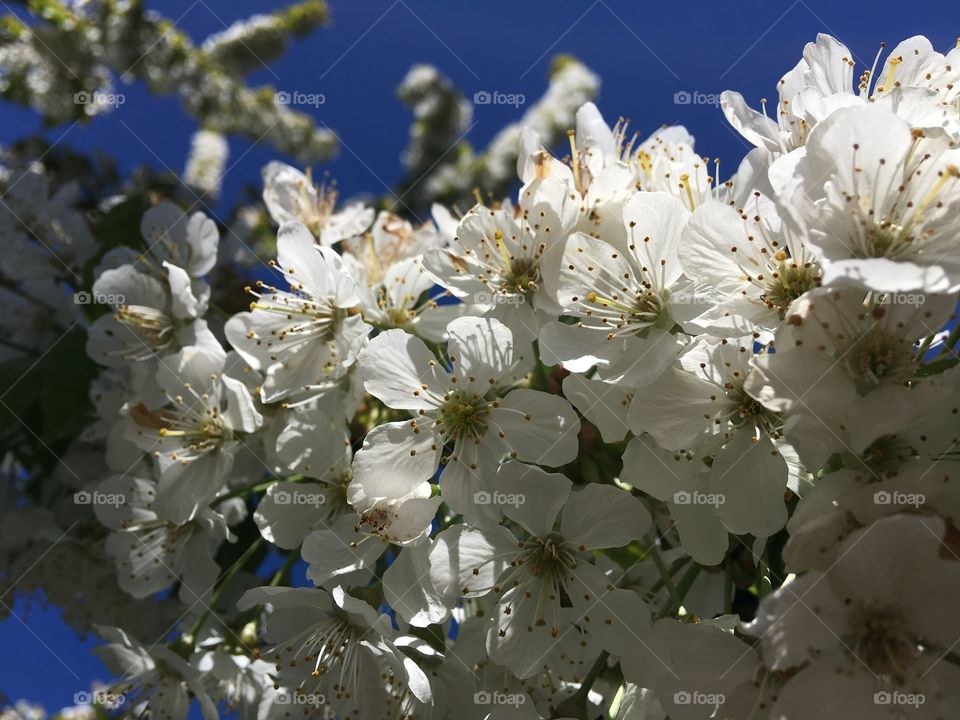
(755, 263)
(291, 195)
(306, 337)
(151, 318)
(151, 553)
(548, 569)
(723, 444)
(826, 69)
(500, 257)
(699, 670)
(842, 366)
(335, 646)
(627, 298)
(874, 625)
(206, 162)
(909, 467)
(242, 683)
(188, 242)
(598, 180)
(194, 439)
(666, 162)
(823, 82)
(155, 679)
(46, 236)
(158, 295)
(462, 409)
(353, 542)
(405, 298)
(878, 199)
(392, 239)
(607, 166)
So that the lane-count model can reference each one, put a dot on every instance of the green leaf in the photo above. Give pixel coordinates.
(62, 380)
(937, 367)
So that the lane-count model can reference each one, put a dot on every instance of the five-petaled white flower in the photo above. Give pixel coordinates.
(306, 337)
(463, 410)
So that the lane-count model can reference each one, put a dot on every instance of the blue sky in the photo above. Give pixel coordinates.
(644, 52)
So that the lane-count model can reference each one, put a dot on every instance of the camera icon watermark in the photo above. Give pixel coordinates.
(95, 497)
(296, 97)
(684, 697)
(495, 97)
(685, 497)
(695, 97)
(484, 697)
(295, 697)
(98, 99)
(696, 296)
(482, 497)
(897, 697)
(896, 497)
(104, 698)
(298, 497)
(492, 298)
(899, 298)
(92, 298)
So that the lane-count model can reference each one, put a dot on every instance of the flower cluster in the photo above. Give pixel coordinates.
(68, 63)
(633, 441)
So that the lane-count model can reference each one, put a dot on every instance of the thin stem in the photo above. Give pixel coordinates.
(540, 370)
(686, 582)
(948, 344)
(225, 582)
(727, 588)
(599, 664)
(576, 704)
(924, 346)
(765, 583)
(219, 311)
(677, 567)
(258, 487)
(284, 570)
(665, 575)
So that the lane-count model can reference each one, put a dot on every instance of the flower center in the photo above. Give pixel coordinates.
(463, 414)
(200, 436)
(547, 557)
(879, 638)
(788, 282)
(880, 239)
(399, 317)
(895, 234)
(887, 454)
(152, 326)
(522, 276)
(747, 411)
(197, 430)
(876, 359)
(332, 642)
(308, 317)
(650, 308)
